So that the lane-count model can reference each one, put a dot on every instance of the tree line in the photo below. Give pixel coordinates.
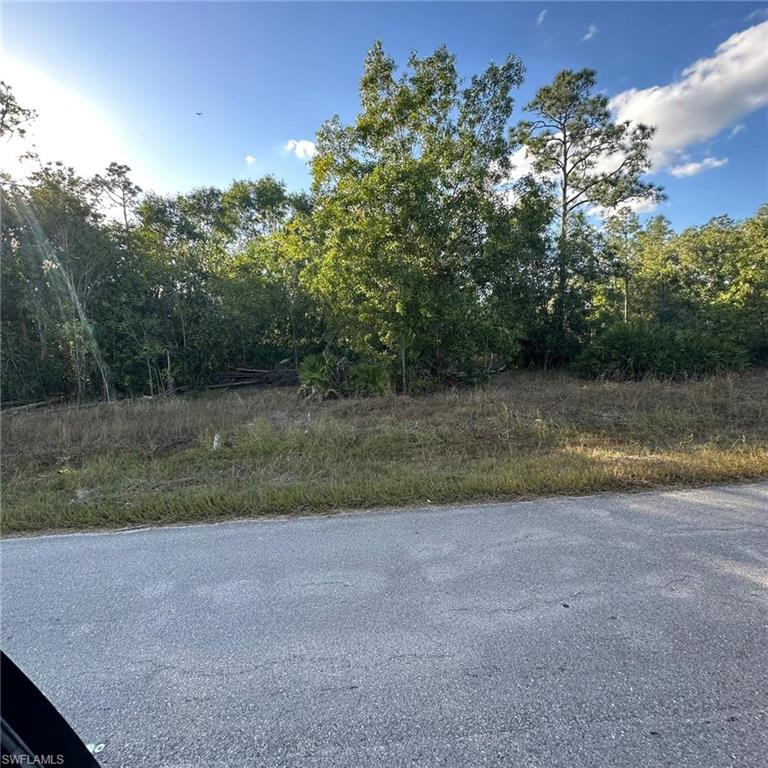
(415, 260)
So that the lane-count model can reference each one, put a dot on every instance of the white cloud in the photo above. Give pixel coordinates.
(760, 13)
(540, 18)
(639, 205)
(250, 159)
(302, 148)
(591, 32)
(636, 205)
(710, 95)
(692, 168)
(737, 129)
(522, 164)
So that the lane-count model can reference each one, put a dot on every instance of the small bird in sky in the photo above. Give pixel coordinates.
(199, 114)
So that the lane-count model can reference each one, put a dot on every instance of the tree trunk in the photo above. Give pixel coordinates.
(168, 369)
(293, 335)
(104, 379)
(626, 298)
(402, 362)
(562, 268)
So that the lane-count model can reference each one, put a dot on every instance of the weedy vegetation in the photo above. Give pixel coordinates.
(528, 433)
(413, 268)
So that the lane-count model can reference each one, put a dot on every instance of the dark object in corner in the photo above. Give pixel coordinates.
(31, 728)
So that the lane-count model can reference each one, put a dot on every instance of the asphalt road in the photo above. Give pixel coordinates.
(625, 630)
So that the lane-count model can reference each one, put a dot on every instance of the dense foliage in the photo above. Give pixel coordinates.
(413, 262)
(637, 349)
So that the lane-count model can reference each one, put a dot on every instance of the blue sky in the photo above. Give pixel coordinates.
(124, 81)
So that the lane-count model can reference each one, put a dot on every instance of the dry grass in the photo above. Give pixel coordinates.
(530, 433)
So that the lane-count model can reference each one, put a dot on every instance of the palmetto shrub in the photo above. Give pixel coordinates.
(634, 350)
(331, 375)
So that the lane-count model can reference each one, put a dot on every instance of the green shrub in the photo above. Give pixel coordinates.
(331, 375)
(368, 378)
(756, 339)
(322, 375)
(632, 351)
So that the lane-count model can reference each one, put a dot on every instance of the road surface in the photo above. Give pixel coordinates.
(627, 630)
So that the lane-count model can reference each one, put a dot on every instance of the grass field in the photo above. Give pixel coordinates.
(152, 461)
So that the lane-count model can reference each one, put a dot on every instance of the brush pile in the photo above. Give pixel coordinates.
(255, 377)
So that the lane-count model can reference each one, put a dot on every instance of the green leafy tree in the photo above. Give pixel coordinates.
(622, 229)
(519, 268)
(404, 197)
(56, 240)
(413, 263)
(724, 277)
(13, 117)
(588, 159)
(118, 190)
(658, 295)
